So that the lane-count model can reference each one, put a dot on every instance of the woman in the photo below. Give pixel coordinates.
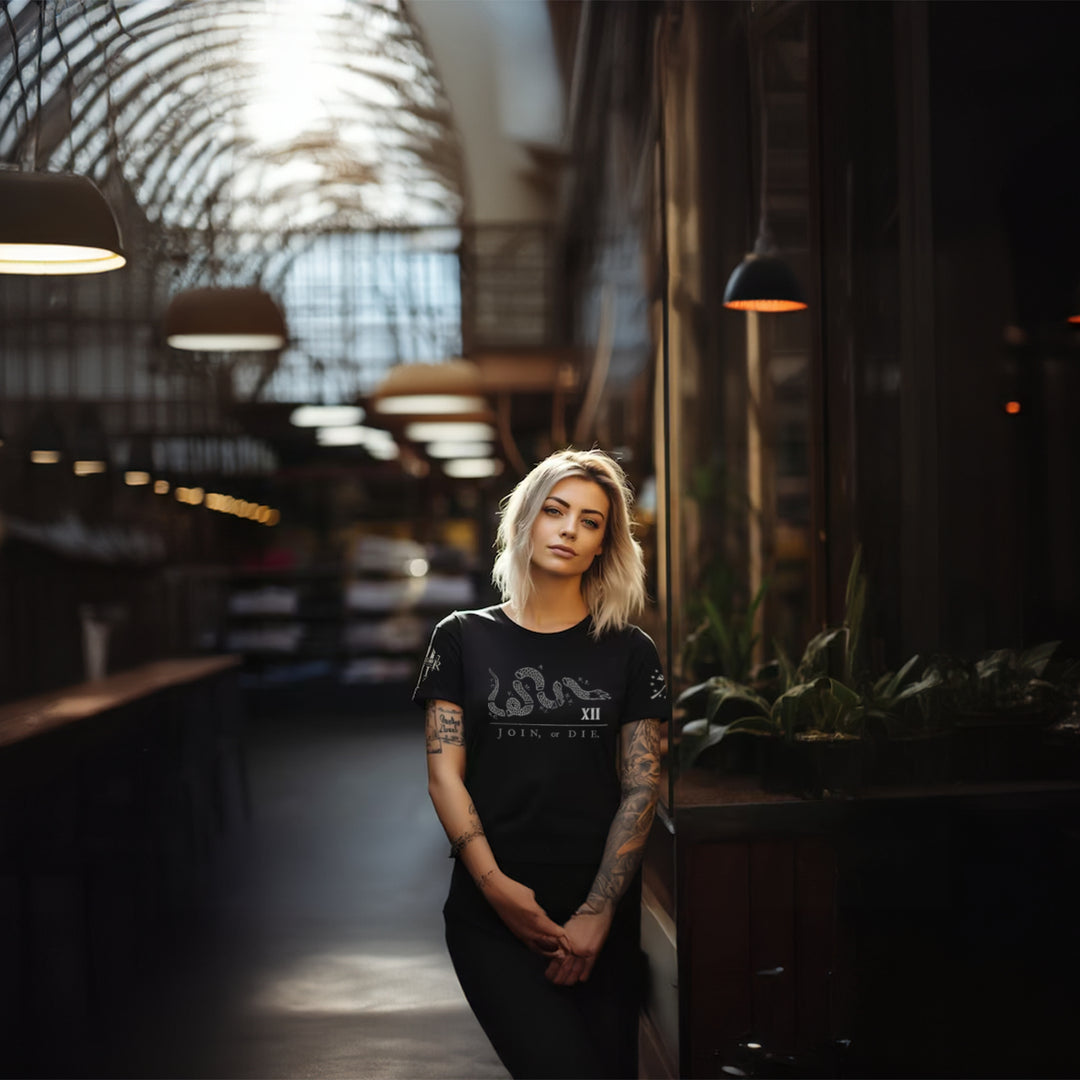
(543, 718)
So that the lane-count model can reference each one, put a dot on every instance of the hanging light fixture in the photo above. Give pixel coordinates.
(326, 415)
(90, 449)
(451, 388)
(47, 441)
(235, 319)
(763, 282)
(54, 223)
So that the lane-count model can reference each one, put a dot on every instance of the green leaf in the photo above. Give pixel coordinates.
(927, 682)
(1038, 656)
(734, 696)
(757, 725)
(894, 684)
(815, 658)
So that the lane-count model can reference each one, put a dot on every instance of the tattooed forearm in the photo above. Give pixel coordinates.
(443, 725)
(459, 842)
(630, 826)
(484, 879)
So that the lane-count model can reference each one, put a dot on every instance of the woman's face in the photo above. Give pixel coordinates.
(568, 533)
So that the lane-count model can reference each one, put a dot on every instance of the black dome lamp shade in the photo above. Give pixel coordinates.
(235, 319)
(53, 223)
(763, 282)
(56, 223)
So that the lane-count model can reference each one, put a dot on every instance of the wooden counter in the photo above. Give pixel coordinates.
(851, 936)
(113, 795)
(33, 716)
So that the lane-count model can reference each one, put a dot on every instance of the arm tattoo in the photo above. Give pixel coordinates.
(443, 724)
(630, 826)
(483, 879)
(459, 843)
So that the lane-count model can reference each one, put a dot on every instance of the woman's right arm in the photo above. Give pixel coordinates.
(515, 903)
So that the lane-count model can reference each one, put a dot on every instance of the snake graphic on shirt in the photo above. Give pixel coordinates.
(525, 702)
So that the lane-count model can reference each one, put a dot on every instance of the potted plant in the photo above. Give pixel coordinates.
(813, 718)
(999, 707)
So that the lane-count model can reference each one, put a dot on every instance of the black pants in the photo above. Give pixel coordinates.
(540, 1030)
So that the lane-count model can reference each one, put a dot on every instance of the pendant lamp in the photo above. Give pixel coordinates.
(46, 438)
(53, 223)
(236, 319)
(763, 282)
(449, 389)
(56, 223)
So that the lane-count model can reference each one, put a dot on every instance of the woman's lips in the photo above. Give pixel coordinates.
(558, 549)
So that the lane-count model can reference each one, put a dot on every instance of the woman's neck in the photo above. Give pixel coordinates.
(553, 605)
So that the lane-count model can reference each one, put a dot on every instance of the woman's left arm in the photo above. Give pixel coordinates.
(588, 929)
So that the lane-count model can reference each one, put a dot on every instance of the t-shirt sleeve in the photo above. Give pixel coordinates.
(646, 691)
(440, 673)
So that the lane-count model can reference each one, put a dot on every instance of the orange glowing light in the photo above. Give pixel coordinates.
(1012, 407)
(1074, 318)
(765, 305)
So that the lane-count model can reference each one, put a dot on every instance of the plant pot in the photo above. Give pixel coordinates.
(912, 760)
(1001, 746)
(739, 754)
(816, 766)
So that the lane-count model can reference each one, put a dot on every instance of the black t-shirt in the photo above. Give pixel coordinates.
(542, 717)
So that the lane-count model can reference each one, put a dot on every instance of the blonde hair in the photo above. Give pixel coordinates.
(613, 587)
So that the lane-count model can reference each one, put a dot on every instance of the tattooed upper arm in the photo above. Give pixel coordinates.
(640, 756)
(444, 726)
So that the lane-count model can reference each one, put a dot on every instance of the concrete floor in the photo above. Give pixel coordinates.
(315, 949)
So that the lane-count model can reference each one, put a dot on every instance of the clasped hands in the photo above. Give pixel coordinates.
(571, 949)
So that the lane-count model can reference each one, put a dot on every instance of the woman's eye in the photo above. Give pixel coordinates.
(592, 524)
(551, 510)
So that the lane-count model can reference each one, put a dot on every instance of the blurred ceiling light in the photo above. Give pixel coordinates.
(56, 223)
(448, 430)
(326, 415)
(472, 468)
(47, 440)
(353, 435)
(235, 319)
(136, 478)
(417, 567)
(453, 386)
(453, 449)
(161, 487)
(88, 468)
(383, 451)
(430, 405)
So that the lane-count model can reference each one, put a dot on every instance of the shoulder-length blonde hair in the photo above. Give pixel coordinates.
(614, 585)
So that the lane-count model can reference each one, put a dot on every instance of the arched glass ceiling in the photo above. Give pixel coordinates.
(255, 120)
